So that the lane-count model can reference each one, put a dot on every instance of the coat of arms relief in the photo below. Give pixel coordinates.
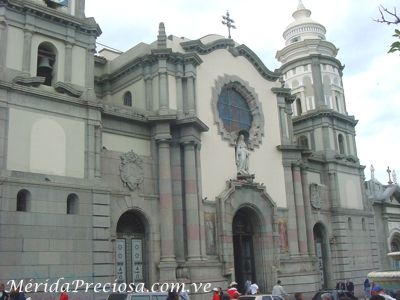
(131, 169)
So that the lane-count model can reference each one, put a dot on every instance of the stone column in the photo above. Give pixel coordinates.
(27, 53)
(68, 63)
(98, 138)
(3, 44)
(179, 90)
(190, 95)
(200, 200)
(148, 89)
(317, 83)
(292, 224)
(333, 192)
(307, 210)
(167, 259)
(300, 215)
(192, 202)
(163, 87)
(90, 72)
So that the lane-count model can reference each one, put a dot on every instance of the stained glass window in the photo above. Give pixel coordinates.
(234, 111)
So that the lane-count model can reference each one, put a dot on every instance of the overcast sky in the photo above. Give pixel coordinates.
(371, 76)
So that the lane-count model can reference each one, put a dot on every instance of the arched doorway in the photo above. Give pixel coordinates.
(243, 247)
(130, 248)
(321, 252)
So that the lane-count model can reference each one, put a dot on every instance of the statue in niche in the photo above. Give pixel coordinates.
(283, 238)
(242, 156)
(210, 233)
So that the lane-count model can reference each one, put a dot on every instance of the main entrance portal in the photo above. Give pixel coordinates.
(130, 248)
(243, 231)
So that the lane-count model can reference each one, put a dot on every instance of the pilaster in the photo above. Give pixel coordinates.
(307, 210)
(163, 87)
(167, 260)
(27, 52)
(300, 214)
(191, 201)
(68, 63)
(317, 83)
(3, 45)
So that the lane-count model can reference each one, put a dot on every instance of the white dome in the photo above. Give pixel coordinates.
(303, 27)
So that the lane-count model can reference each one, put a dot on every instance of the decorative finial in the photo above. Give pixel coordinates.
(389, 172)
(394, 175)
(300, 5)
(372, 169)
(229, 23)
(162, 37)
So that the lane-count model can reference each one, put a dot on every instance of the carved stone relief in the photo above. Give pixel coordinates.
(315, 195)
(131, 169)
(283, 237)
(209, 224)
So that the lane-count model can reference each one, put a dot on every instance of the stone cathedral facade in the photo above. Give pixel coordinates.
(122, 165)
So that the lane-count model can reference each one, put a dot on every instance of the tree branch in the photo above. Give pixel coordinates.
(385, 12)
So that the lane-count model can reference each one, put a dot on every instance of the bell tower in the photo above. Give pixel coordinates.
(310, 68)
(48, 43)
(325, 132)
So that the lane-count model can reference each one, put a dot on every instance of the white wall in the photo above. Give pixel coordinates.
(45, 143)
(350, 191)
(217, 157)
(122, 143)
(15, 48)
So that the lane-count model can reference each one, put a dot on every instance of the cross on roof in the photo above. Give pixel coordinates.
(228, 22)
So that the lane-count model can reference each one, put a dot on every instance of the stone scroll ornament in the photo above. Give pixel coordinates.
(131, 169)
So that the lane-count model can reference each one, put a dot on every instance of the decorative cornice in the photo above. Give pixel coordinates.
(246, 52)
(193, 120)
(149, 60)
(241, 50)
(86, 26)
(199, 47)
(325, 113)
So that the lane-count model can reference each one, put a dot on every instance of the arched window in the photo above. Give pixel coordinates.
(337, 103)
(128, 99)
(72, 204)
(46, 62)
(341, 143)
(298, 107)
(234, 111)
(350, 223)
(23, 200)
(303, 141)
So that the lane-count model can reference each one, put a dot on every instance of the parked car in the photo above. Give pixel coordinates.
(138, 296)
(335, 294)
(260, 297)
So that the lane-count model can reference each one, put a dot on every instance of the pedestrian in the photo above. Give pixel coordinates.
(298, 296)
(278, 290)
(378, 290)
(232, 291)
(326, 296)
(216, 294)
(224, 295)
(254, 288)
(350, 286)
(183, 294)
(3, 293)
(63, 295)
(16, 294)
(247, 285)
(172, 295)
(367, 288)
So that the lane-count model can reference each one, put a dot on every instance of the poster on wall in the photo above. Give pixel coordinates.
(137, 260)
(120, 262)
(60, 2)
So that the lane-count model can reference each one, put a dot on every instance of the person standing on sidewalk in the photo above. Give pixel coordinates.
(278, 290)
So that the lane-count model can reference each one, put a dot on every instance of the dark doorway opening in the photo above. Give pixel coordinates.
(320, 251)
(243, 248)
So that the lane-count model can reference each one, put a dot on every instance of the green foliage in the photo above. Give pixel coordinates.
(396, 45)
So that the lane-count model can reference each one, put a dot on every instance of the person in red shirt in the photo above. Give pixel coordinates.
(232, 291)
(216, 294)
(63, 295)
